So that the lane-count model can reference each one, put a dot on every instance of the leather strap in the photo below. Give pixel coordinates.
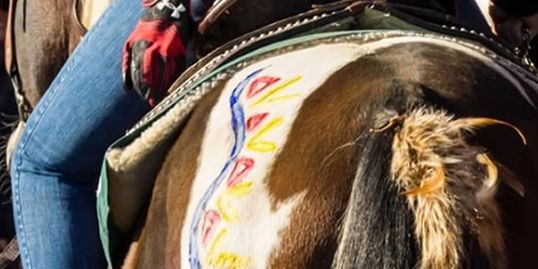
(23, 105)
(216, 10)
(75, 15)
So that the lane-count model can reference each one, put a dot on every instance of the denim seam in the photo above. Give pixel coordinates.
(21, 235)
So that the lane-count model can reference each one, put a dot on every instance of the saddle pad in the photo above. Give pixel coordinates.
(132, 162)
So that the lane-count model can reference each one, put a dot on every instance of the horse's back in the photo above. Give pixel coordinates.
(260, 176)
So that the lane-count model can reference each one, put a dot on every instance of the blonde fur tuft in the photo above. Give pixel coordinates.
(450, 186)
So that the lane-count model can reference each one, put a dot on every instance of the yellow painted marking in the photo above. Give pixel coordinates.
(282, 98)
(217, 242)
(257, 144)
(228, 213)
(276, 90)
(229, 260)
(240, 189)
(224, 202)
(225, 259)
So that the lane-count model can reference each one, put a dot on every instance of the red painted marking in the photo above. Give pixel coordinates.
(260, 84)
(255, 121)
(209, 225)
(242, 167)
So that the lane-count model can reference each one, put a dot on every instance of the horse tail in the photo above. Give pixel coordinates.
(8, 124)
(422, 196)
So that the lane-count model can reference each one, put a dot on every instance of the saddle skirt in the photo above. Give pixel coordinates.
(132, 163)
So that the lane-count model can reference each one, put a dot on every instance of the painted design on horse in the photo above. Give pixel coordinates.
(318, 188)
(224, 213)
(259, 104)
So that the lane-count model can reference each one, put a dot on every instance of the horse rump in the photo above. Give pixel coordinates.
(422, 196)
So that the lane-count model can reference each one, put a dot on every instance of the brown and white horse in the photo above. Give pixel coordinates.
(351, 150)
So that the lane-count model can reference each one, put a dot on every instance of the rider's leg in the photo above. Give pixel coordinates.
(56, 164)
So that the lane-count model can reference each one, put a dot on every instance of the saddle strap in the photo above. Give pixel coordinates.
(10, 254)
(216, 10)
(75, 16)
(10, 60)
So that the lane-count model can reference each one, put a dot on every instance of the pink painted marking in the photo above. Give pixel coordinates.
(254, 121)
(209, 226)
(260, 84)
(242, 167)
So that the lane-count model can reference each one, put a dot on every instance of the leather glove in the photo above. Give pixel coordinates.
(154, 53)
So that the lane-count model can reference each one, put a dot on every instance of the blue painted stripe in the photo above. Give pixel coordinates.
(238, 126)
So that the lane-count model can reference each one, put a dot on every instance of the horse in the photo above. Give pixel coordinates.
(336, 147)
(40, 37)
(38, 52)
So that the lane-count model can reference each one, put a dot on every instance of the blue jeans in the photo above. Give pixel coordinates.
(56, 164)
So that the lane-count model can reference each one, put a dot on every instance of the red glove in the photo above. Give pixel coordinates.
(154, 54)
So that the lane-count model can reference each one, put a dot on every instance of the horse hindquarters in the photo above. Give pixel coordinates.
(422, 196)
(426, 201)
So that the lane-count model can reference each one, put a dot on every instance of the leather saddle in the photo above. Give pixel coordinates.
(227, 13)
(228, 19)
(433, 20)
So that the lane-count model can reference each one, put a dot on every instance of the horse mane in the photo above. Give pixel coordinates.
(422, 196)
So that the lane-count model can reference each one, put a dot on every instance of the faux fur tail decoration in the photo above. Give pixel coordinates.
(450, 186)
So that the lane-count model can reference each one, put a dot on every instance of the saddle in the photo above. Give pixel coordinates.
(426, 19)
(131, 164)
